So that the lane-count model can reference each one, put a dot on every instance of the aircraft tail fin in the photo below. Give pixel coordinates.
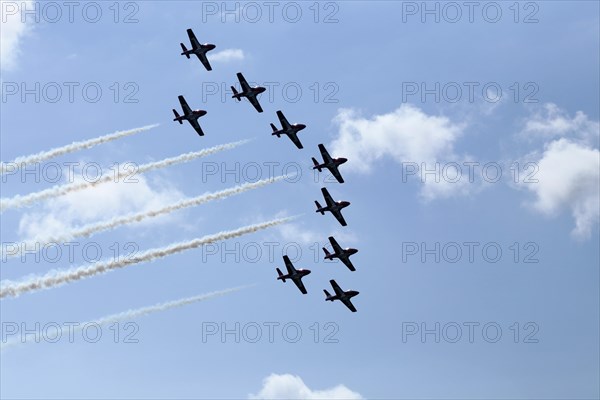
(280, 274)
(235, 94)
(314, 160)
(185, 50)
(327, 294)
(177, 116)
(319, 208)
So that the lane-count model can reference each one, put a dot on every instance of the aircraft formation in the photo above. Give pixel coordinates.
(251, 93)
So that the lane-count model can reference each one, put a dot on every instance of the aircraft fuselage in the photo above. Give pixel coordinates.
(336, 162)
(339, 161)
(347, 295)
(253, 92)
(336, 206)
(202, 50)
(194, 115)
(299, 273)
(294, 129)
(344, 255)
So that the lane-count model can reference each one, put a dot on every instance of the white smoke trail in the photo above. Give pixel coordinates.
(19, 162)
(90, 229)
(61, 277)
(130, 314)
(21, 201)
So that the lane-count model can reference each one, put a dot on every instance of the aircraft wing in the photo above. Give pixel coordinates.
(294, 138)
(204, 61)
(325, 154)
(298, 282)
(184, 106)
(336, 173)
(289, 265)
(338, 215)
(196, 126)
(334, 244)
(348, 304)
(327, 196)
(243, 82)
(283, 120)
(255, 103)
(195, 43)
(348, 263)
(336, 287)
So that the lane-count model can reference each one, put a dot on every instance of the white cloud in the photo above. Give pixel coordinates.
(551, 122)
(407, 135)
(288, 387)
(227, 55)
(98, 203)
(569, 177)
(297, 233)
(12, 31)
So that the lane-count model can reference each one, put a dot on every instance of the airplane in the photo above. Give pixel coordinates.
(248, 92)
(198, 49)
(343, 296)
(190, 115)
(342, 254)
(331, 164)
(334, 207)
(288, 129)
(294, 274)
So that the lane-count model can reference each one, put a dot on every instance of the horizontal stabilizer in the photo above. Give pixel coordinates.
(319, 208)
(326, 293)
(235, 93)
(314, 160)
(185, 51)
(274, 128)
(280, 274)
(327, 253)
(177, 117)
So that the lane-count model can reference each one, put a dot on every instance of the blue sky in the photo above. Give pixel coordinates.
(354, 74)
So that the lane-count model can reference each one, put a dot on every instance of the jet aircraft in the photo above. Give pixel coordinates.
(198, 49)
(342, 254)
(343, 296)
(190, 115)
(291, 130)
(331, 164)
(294, 274)
(248, 92)
(334, 207)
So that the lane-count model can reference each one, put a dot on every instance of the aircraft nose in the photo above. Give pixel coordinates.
(301, 126)
(343, 160)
